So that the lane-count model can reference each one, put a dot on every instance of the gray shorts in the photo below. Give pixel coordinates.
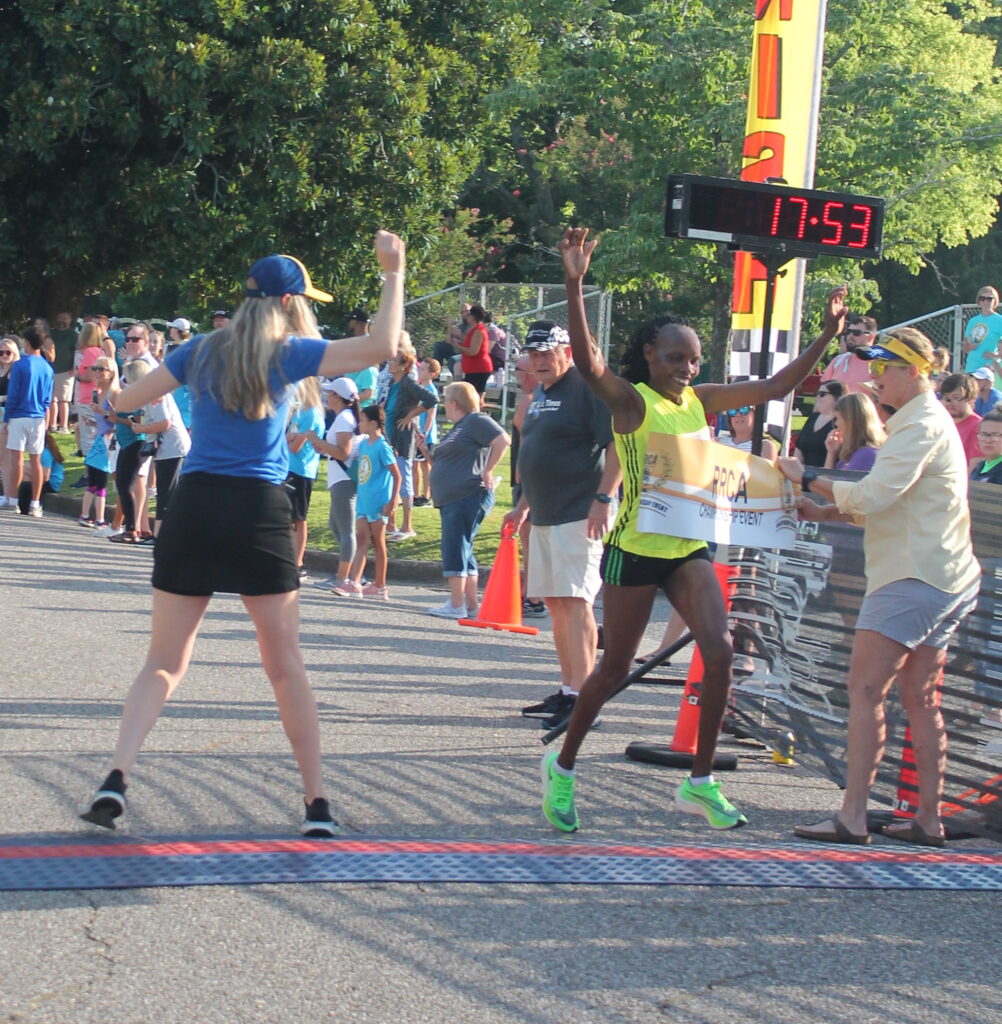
(914, 613)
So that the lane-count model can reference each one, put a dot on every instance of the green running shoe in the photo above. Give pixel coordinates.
(558, 795)
(711, 803)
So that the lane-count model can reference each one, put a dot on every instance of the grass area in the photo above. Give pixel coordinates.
(424, 547)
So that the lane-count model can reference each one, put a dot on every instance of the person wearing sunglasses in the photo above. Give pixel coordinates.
(740, 422)
(137, 344)
(983, 333)
(656, 394)
(987, 677)
(922, 579)
(811, 448)
(853, 375)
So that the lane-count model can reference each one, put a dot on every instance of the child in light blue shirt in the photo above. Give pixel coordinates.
(378, 491)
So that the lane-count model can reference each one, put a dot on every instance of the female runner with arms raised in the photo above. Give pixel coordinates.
(657, 396)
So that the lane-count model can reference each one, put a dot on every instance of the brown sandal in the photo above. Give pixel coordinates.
(912, 832)
(124, 538)
(838, 833)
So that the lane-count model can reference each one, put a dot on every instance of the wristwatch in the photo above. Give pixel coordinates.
(603, 499)
(810, 475)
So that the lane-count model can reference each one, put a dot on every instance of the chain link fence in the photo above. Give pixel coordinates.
(943, 327)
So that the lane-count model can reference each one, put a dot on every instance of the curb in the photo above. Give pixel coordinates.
(409, 569)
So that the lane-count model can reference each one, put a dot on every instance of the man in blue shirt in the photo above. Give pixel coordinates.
(29, 396)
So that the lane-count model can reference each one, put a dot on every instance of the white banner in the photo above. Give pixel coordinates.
(705, 490)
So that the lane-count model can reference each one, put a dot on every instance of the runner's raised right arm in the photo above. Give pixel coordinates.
(619, 395)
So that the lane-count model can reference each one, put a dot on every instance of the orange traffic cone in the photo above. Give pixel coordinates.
(687, 724)
(501, 607)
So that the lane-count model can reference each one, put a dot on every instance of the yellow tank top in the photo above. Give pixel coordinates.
(661, 416)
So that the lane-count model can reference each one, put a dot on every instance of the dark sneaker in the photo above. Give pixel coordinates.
(562, 715)
(561, 712)
(107, 805)
(533, 609)
(544, 708)
(319, 823)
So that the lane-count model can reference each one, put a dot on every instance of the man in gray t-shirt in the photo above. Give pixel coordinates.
(567, 483)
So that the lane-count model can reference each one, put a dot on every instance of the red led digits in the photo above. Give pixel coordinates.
(863, 226)
(802, 223)
(777, 209)
(836, 224)
(757, 216)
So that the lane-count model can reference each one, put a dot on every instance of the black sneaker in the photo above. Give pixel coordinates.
(546, 707)
(561, 712)
(303, 573)
(107, 805)
(562, 715)
(421, 502)
(533, 609)
(319, 823)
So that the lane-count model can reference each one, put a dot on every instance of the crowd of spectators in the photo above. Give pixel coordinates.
(378, 431)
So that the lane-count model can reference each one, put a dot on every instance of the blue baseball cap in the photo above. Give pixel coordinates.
(278, 275)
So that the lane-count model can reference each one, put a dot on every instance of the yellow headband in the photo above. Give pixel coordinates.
(905, 352)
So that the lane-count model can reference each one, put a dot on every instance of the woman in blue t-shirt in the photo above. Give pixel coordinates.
(228, 527)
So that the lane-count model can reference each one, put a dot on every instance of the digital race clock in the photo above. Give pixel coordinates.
(774, 218)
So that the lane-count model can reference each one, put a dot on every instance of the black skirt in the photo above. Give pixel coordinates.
(226, 534)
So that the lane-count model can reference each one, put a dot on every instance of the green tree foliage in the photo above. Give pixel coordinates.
(169, 144)
(629, 92)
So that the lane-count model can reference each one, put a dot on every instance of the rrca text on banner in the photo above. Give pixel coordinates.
(704, 490)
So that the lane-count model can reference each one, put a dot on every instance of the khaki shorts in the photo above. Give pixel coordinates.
(26, 434)
(62, 387)
(563, 562)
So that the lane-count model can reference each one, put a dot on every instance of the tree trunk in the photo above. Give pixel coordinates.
(720, 342)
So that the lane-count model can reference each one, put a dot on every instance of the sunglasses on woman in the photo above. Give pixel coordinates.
(741, 411)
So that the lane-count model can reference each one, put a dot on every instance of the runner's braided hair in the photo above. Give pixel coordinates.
(633, 363)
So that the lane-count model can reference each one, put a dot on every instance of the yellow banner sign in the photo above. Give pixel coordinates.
(780, 136)
(709, 491)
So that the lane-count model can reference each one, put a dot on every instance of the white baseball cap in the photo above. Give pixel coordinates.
(343, 387)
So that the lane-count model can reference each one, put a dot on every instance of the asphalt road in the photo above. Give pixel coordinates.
(423, 739)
